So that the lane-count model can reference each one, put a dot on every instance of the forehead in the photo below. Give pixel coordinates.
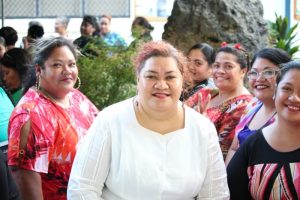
(224, 56)
(104, 20)
(291, 77)
(160, 64)
(196, 53)
(62, 52)
(263, 63)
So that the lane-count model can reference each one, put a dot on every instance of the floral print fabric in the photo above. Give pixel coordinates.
(52, 140)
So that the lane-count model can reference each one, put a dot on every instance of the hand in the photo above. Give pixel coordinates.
(203, 102)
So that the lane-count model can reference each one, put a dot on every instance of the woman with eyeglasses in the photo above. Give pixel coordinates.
(261, 110)
(267, 165)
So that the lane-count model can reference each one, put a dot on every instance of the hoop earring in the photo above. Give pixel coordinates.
(79, 83)
(38, 82)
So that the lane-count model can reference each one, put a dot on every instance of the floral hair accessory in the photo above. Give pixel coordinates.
(224, 44)
(238, 46)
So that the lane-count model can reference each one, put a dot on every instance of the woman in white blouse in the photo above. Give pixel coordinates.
(151, 146)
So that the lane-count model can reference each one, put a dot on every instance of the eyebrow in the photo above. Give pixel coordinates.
(154, 72)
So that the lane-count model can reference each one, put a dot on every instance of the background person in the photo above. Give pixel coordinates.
(141, 32)
(109, 37)
(151, 146)
(201, 56)
(61, 25)
(10, 35)
(226, 107)
(88, 29)
(261, 111)
(2, 47)
(267, 165)
(48, 123)
(14, 67)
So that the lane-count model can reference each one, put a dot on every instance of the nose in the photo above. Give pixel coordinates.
(161, 84)
(294, 97)
(66, 70)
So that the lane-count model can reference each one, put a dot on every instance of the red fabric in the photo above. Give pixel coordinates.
(226, 117)
(53, 138)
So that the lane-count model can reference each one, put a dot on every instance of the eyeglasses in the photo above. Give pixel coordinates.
(268, 73)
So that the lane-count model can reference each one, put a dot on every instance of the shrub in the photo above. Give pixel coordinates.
(107, 73)
(282, 36)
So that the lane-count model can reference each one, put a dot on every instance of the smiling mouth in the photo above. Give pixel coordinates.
(293, 108)
(261, 87)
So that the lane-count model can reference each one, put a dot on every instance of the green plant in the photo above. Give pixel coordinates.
(107, 73)
(282, 36)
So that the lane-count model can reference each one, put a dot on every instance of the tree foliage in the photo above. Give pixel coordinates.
(107, 73)
(282, 36)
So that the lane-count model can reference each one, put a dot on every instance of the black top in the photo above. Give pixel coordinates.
(257, 171)
(8, 189)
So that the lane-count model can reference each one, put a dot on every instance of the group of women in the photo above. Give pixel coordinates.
(155, 146)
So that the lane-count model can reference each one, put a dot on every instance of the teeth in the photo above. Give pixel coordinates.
(261, 87)
(294, 107)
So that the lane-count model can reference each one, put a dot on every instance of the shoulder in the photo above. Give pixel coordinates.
(199, 122)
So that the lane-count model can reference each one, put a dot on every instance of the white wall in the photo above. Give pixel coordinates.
(272, 7)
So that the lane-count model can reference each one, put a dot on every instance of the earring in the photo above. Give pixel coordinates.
(79, 83)
(38, 83)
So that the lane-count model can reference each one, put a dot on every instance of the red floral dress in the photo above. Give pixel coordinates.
(226, 117)
(52, 140)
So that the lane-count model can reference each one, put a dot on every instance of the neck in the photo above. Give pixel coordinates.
(269, 107)
(60, 100)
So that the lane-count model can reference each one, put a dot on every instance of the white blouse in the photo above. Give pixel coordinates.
(120, 159)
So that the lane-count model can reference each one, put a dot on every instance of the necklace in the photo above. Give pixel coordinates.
(62, 103)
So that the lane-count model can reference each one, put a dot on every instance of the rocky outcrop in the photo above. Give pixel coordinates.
(215, 21)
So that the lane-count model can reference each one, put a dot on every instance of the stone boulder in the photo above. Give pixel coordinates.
(216, 21)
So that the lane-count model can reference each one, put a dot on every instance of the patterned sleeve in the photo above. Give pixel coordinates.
(36, 155)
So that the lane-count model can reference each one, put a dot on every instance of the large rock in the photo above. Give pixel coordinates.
(215, 21)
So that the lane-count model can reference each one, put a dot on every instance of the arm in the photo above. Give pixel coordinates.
(233, 147)
(28, 182)
(91, 164)
(237, 175)
(215, 185)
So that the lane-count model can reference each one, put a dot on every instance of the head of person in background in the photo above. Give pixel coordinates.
(104, 24)
(88, 26)
(201, 56)
(141, 29)
(35, 31)
(52, 114)
(141, 32)
(14, 66)
(10, 35)
(61, 25)
(265, 67)
(2, 47)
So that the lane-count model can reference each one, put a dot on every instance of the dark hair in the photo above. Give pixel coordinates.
(91, 20)
(207, 50)
(35, 31)
(241, 55)
(143, 22)
(286, 67)
(274, 55)
(42, 50)
(9, 34)
(17, 59)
